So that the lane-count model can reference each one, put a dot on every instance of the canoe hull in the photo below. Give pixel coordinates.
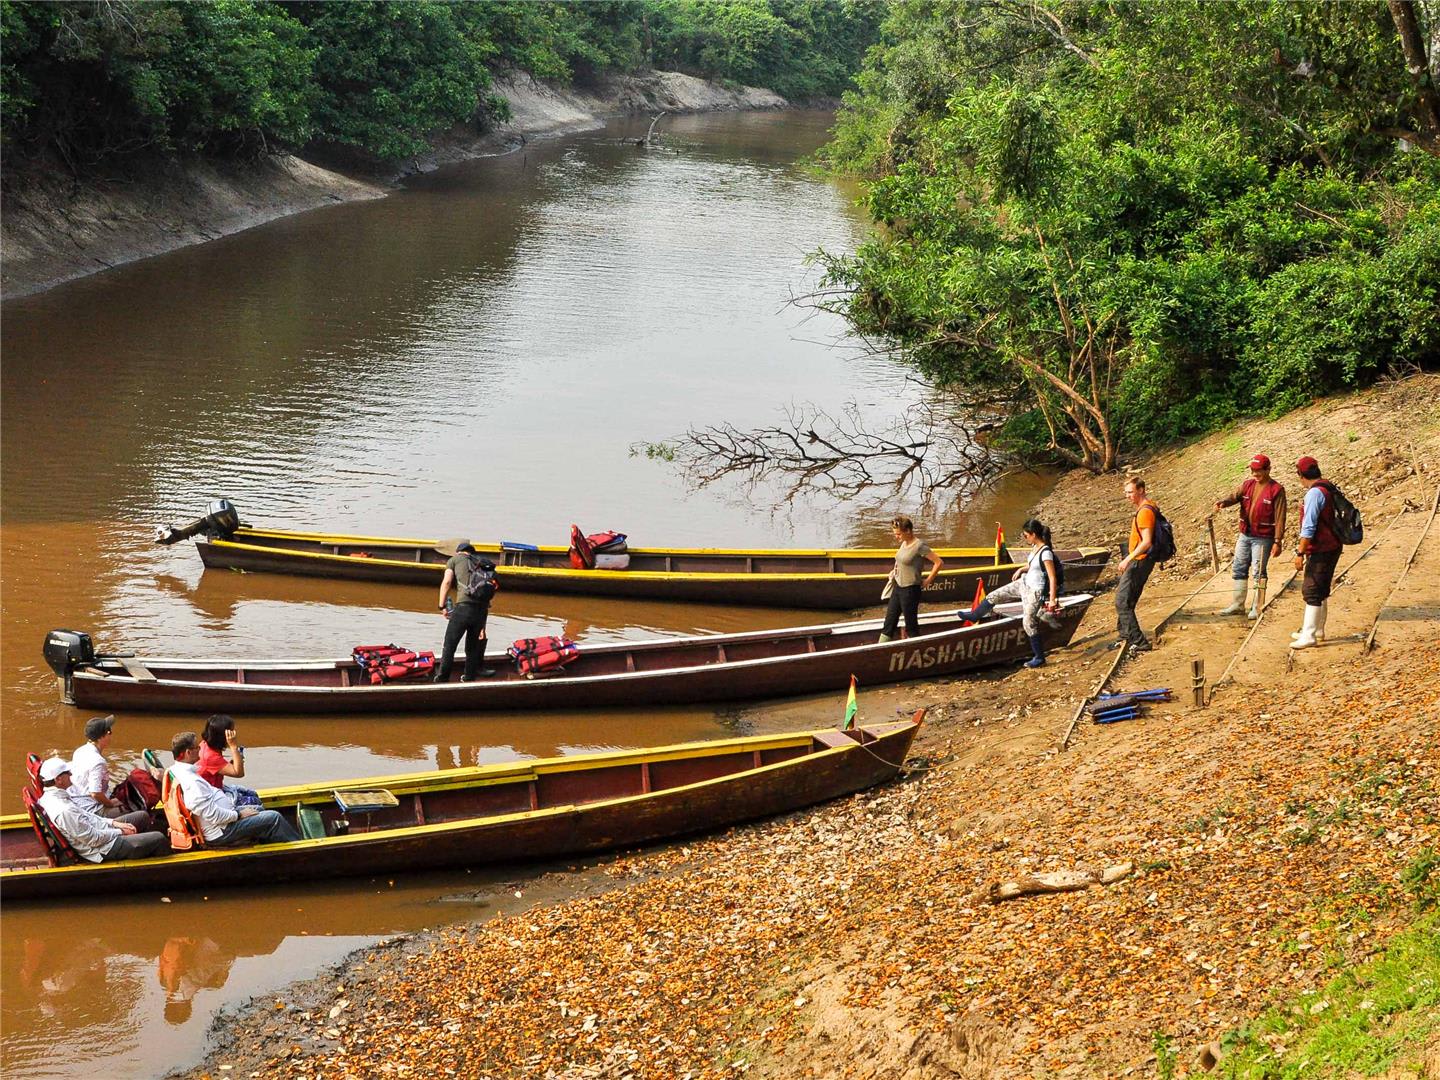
(539, 835)
(949, 651)
(813, 591)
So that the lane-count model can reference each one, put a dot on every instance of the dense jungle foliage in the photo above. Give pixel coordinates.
(94, 80)
(1134, 221)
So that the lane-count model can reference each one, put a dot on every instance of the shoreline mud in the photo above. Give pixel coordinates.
(1269, 838)
(57, 228)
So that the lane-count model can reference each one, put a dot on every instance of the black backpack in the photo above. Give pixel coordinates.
(481, 585)
(1059, 569)
(1162, 540)
(1348, 526)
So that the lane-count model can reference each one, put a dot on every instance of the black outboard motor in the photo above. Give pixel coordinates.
(65, 651)
(221, 519)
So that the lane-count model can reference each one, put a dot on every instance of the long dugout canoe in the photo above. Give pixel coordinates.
(667, 671)
(834, 580)
(517, 811)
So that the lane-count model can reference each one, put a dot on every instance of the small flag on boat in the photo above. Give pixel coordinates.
(999, 541)
(979, 596)
(851, 707)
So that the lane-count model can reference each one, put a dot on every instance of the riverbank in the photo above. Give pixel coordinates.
(1281, 833)
(56, 227)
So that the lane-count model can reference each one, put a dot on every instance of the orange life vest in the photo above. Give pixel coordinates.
(185, 831)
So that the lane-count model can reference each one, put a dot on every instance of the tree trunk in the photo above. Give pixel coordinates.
(1427, 103)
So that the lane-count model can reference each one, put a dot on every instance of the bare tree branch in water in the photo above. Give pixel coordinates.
(934, 446)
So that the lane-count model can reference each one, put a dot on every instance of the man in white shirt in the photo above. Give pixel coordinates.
(220, 822)
(95, 839)
(90, 772)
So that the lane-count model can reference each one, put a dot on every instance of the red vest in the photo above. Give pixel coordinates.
(1325, 538)
(1265, 497)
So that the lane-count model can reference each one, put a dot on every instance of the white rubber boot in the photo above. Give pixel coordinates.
(1258, 604)
(1237, 599)
(1320, 623)
(1306, 638)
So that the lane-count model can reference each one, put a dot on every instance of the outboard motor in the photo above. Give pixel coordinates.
(65, 651)
(221, 519)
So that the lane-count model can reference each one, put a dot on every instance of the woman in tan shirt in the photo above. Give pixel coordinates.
(905, 584)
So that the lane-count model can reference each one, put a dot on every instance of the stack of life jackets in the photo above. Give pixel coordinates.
(535, 656)
(598, 551)
(391, 663)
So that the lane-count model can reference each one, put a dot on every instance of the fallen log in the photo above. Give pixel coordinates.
(1057, 882)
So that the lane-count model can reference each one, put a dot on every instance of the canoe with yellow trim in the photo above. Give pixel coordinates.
(516, 811)
(837, 580)
(666, 671)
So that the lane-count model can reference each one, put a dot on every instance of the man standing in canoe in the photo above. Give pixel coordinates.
(473, 580)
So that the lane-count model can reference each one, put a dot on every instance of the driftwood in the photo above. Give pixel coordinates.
(1058, 882)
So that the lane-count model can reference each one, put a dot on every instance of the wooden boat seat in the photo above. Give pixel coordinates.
(834, 739)
(312, 825)
(137, 671)
(365, 802)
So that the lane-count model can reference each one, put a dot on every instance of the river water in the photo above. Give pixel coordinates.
(474, 355)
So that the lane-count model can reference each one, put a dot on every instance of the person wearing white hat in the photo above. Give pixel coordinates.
(95, 839)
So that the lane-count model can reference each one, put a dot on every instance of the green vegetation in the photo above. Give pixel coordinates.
(1137, 221)
(95, 80)
(1371, 1018)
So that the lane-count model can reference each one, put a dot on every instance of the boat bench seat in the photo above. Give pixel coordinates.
(312, 825)
(834, 739)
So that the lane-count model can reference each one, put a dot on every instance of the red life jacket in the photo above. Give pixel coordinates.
(535, 655)
(606, 543)
(1266, 497)
(582, 554)
(390, 663)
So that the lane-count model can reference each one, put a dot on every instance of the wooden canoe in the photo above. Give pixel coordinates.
(515, 811)
(836, 580)
(668, 671)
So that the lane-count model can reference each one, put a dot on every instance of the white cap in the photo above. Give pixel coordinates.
(52, 768)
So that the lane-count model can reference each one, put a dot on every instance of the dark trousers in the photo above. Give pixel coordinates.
(1127, 595)
(906, 599)
(142, 845)
(467, 621)
(1319, 574)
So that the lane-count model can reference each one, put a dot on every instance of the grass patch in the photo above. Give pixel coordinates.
(1368, 1019)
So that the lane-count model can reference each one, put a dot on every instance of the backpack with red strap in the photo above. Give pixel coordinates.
(535, 656)
(391, 663)
(138, 791)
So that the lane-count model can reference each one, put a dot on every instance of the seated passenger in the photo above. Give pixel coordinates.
(90, 772)
(95, 839)
(220, 822)
(214, 766)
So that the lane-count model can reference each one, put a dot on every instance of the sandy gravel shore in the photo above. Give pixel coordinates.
(1261, 840)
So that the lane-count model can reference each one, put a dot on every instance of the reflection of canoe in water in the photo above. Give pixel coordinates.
(672, 671)
(500, 813)
(832, 580)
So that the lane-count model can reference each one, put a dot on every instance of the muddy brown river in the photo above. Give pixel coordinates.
(474, 355)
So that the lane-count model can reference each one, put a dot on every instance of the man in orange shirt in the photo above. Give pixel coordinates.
(1135, 567)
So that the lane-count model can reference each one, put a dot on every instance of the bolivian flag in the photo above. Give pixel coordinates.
(851, 707)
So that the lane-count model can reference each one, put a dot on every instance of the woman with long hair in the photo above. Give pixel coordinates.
(214, 766)
(1036, 585)
(903, 588)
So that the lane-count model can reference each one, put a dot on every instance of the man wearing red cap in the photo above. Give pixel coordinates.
(1318, 553)
(1262, 532)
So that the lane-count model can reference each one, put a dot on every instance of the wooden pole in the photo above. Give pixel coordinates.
(1197, 681)
(1214, 552)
